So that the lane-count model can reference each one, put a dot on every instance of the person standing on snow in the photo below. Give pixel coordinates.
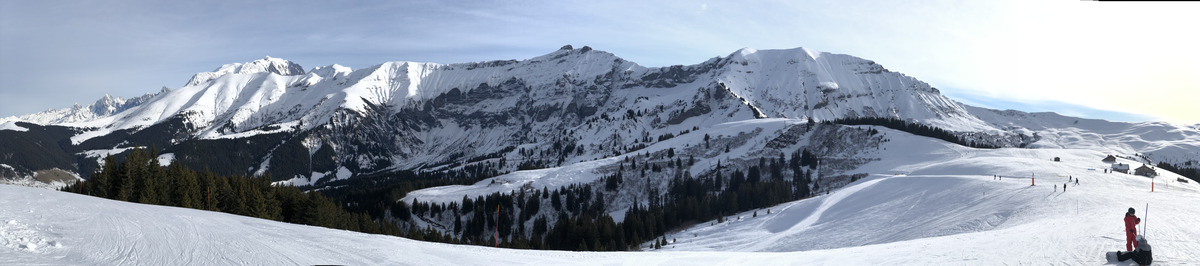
(1131, 222)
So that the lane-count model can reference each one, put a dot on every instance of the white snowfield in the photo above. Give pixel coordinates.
(938, 205)
(940, 213)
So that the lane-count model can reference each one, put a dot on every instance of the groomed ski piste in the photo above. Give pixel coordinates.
(927, 202)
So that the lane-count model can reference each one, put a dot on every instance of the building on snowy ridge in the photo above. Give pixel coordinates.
(1145, 171)
(1120, 168)
(1109, 159)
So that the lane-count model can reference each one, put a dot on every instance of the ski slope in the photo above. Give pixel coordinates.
(950, 209)
(939, 205)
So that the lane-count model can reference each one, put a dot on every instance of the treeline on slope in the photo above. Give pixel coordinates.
(915, 129)
(380, 193)
(1185, 169)
(574, 217)
(140, 179)
(38, 147)
(691, 200)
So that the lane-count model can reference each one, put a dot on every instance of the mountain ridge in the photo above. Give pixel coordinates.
(408, 115)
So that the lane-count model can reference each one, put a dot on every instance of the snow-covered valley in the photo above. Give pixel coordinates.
(937, 204)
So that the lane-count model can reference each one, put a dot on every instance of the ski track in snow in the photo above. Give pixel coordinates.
(807, 222)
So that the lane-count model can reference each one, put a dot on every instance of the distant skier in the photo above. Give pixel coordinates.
(1131, 222)
(1142, 255)
(1064, 187)
(1077, 181)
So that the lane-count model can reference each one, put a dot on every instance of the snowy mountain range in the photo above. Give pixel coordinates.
(582, 117)
(271, 116)
(104, 107)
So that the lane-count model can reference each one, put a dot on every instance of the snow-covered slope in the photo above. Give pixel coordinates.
(948, 209)
(266, 65)
(930, 196)
(1157, 141)
(801, 83)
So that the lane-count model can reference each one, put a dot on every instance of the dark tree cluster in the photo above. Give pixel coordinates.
(581, 222)
(140, 179)
(375, 194)
(915, 129)
(1184, 170)
(691, 200)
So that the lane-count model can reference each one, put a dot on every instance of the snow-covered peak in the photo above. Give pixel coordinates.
(330, 71)
(266, 65)
(569, 53)
(799, 53)
(805, 83)
(745, 51)
(106, 105)
(812, 53)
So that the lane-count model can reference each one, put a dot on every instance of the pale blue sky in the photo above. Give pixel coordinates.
(1066, 56)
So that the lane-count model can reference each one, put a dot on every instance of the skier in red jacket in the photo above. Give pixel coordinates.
(1131, 222)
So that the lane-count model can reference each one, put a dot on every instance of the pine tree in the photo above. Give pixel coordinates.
(101, 182)
(124, 183)
(147, 190)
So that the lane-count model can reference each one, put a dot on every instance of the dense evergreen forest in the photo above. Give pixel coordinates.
(1185, 169)
(915, 129)
(139, 178)
(575, 217)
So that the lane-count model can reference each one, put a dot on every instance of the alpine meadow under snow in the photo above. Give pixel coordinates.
(892, 177)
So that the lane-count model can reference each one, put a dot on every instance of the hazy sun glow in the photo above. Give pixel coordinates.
(1124, 56)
